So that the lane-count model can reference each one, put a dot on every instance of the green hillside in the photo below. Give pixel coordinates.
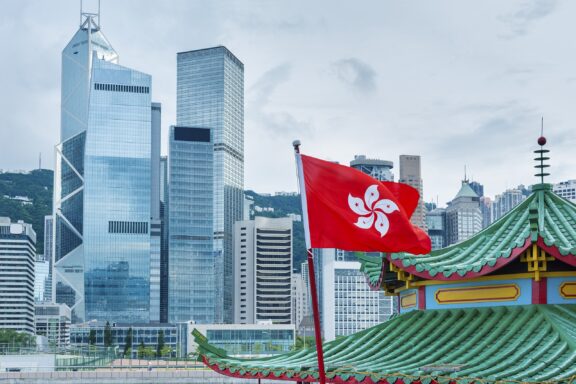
(36, 185)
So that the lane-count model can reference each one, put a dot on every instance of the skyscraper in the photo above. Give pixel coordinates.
(504, 202)
(463, 216)
(263, 270)
(17, 254)
(210, 132)
(378, 169)
(102, 186)
(410, 174)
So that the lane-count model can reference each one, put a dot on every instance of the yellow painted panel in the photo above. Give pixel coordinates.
(408, 301)
(568, 290)
(478, 294)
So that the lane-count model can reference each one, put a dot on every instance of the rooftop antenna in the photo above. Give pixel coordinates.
(541, 152)
(465, 179)
(93, 16)
(40, 161)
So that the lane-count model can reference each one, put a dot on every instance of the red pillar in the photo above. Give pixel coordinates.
(422, 297)
(539, 292)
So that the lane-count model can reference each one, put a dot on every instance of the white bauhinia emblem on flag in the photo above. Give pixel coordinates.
(373, 208)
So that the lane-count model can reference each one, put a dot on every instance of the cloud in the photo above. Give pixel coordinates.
(269, 116)
(356, 74)
(269, 81)
(531, 11)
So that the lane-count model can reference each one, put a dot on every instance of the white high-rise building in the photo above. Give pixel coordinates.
(566, 189)
(263, 271)
(299, 299)
(505, 202)
(17, 255)
(347, 304)
(41, 279)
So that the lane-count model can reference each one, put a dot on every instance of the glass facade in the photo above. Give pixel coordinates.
(252, 341)
(102, 188)
(210, 95)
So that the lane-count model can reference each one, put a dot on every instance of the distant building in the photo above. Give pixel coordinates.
(164, 252)
(566, 189)
(486, 210)
(48, 256)
(410, 173)
(141, 333)
(377, 169)
(347, 304)
(210, 134)
(436, 224)
(17, 255)
(463, 215)
(246, 339)
(53, 322)
(477, 187)
(299, 299)
(504, 202)
(263, 270)
(41, 279)
(248, 207)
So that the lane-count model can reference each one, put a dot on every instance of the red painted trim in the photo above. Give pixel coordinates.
(421, 297)
(553, 251)
(539, 291)
(501, 262)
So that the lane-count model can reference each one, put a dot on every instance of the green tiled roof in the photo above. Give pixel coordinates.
(543, 217)
(530, 344)
(466, 191)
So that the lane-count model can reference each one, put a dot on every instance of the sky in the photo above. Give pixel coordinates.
(460, 83)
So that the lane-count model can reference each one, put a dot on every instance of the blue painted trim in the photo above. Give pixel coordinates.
(553, 290)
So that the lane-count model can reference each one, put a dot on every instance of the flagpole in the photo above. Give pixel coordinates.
(311, 273)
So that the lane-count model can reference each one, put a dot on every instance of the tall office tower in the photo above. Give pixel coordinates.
(347, 304)
(299, 299)
(566, 189)
(41, 279)
(164, 239)
(477, 187)
(155, 216)
(410, 174)
(263, 270)
(504, 202)
(210, 114)
(48, 248)
(436, 224)
(486, 210)
(17, 254)
(378, 169)
(102, 183)
(463, 216)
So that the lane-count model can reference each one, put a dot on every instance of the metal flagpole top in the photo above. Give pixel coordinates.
(296, 144)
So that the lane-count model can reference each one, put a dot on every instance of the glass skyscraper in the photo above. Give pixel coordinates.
(102, 194)
(206, 184)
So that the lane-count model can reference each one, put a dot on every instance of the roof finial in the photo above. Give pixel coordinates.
(540, 152)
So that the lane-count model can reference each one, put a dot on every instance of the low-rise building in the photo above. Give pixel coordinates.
(53, 322)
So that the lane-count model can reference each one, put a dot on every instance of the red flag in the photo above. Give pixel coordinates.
(349, 210)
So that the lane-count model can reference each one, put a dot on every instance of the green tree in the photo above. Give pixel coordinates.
(107, 335)
(92, 337)
(11, 340)
(141, 350)
(128, 343)
(166, 351)
(161, 343)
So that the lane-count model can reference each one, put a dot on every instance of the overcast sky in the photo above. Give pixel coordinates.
(456, 82)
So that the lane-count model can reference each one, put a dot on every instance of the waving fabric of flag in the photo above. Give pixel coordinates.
(347, 209)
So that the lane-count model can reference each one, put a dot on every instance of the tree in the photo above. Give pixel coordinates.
(92, 337)
(128, 343)
(161, 343)
(141, 350)
(107, 335)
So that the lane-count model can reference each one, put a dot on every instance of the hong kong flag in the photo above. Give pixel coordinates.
(347, 209)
